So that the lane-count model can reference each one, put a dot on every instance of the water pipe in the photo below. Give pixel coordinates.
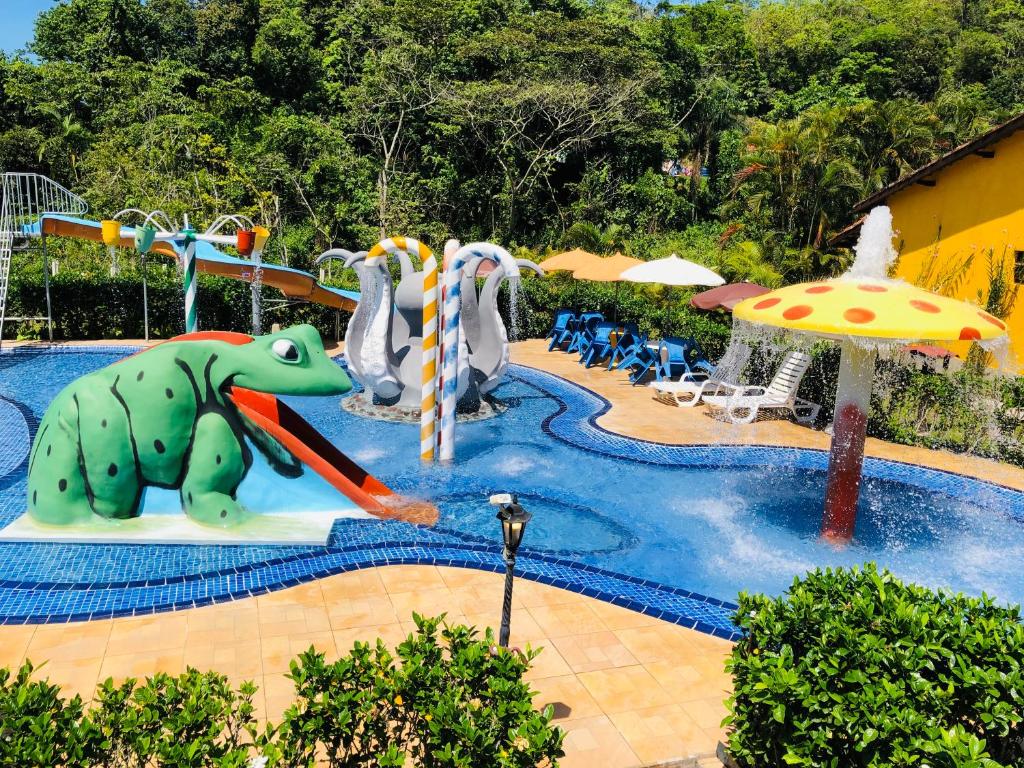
(428, 398)
(849, 429)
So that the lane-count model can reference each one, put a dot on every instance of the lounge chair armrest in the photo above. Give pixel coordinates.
(695, 377)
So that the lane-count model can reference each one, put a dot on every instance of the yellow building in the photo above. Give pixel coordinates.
(959, 214)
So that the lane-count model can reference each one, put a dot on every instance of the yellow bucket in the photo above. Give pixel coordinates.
(111, 229)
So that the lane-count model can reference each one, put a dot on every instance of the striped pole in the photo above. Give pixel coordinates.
(428, 393)
(450, 341)
(189, 282)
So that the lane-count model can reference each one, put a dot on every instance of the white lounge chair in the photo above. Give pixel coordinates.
(690, 387)
(743, 403)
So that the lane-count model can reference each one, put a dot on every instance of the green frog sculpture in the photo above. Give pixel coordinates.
(165, 417)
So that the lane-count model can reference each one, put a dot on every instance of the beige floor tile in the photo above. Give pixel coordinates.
(391, 634)
(706, 713)
(598, 650)
(368, 611)
(355, 584)
(278, 652)
(148, 634)
(617, 617)
(142, 665)
(659, 734)
(547, 663)
(567, 619)
(70, 642)
(410, 578)
(532, 594)
(624, 688)
(13, 644)
(570, 699)
(659, 642)
(303, 594)
(595, 742)
(454, 578)
(688, 682)
(426, 602)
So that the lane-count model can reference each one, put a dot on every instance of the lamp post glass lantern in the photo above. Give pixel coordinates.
(513, 525)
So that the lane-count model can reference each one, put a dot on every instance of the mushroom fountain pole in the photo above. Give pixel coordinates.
(849, 430)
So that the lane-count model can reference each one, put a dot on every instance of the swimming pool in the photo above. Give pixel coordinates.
(654, 526)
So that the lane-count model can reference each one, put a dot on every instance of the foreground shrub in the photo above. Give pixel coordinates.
(855, 668)
(445, 698)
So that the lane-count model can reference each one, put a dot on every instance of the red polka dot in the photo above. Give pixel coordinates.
(766, 303)
(924, 306)
(969, 334)
(797, 312)
(873, 288)
(819, 289)
(859, 315)
(994, 320)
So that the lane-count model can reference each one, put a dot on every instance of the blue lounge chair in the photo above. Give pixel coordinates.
(625, 344)
(584, 330)
(561, 328)
(678, 357)
(643, 360)
(600, 346)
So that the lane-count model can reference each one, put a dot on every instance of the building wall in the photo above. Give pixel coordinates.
(976, 206)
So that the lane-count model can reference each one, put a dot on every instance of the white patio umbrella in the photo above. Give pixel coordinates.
(672, 271)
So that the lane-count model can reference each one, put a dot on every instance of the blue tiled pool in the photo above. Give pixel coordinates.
(651, 526)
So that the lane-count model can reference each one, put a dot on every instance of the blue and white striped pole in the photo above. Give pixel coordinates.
(189, 282)
(450, 337)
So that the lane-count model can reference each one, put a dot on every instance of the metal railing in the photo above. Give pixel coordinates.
(26, 197)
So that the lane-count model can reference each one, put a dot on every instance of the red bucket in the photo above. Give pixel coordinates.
(246, 241)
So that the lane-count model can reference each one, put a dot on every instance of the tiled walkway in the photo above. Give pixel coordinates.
(629, 690)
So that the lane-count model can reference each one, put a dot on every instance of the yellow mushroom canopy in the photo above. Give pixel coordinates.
(870, 308)
(569, 260)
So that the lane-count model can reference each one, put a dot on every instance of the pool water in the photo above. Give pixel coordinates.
(717, 526)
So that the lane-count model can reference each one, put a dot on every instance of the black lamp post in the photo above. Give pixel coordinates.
(513, 524)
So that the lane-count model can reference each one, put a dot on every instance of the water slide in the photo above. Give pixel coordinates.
(293, 283)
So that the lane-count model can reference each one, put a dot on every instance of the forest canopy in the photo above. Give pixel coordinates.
(747, 128)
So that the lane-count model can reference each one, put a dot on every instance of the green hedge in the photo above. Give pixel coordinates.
(444, 699)
(855, 668)
(103, 307)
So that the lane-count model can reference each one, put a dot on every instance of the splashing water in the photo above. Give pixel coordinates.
(875, 254)
(513, 308)
(257, 300)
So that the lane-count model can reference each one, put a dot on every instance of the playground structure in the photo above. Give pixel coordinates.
(35, 208)
(392, 343)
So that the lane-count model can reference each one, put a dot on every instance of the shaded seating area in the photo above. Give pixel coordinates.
(678, 370)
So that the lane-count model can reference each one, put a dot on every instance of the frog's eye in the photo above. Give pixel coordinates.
(286, 350)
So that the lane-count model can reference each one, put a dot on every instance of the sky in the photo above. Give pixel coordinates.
(19, 21)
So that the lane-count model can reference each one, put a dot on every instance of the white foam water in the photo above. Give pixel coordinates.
(874, 249)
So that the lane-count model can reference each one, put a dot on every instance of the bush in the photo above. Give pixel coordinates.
(854, 668)
(450, 700)
(447, 699)
(192, 720)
